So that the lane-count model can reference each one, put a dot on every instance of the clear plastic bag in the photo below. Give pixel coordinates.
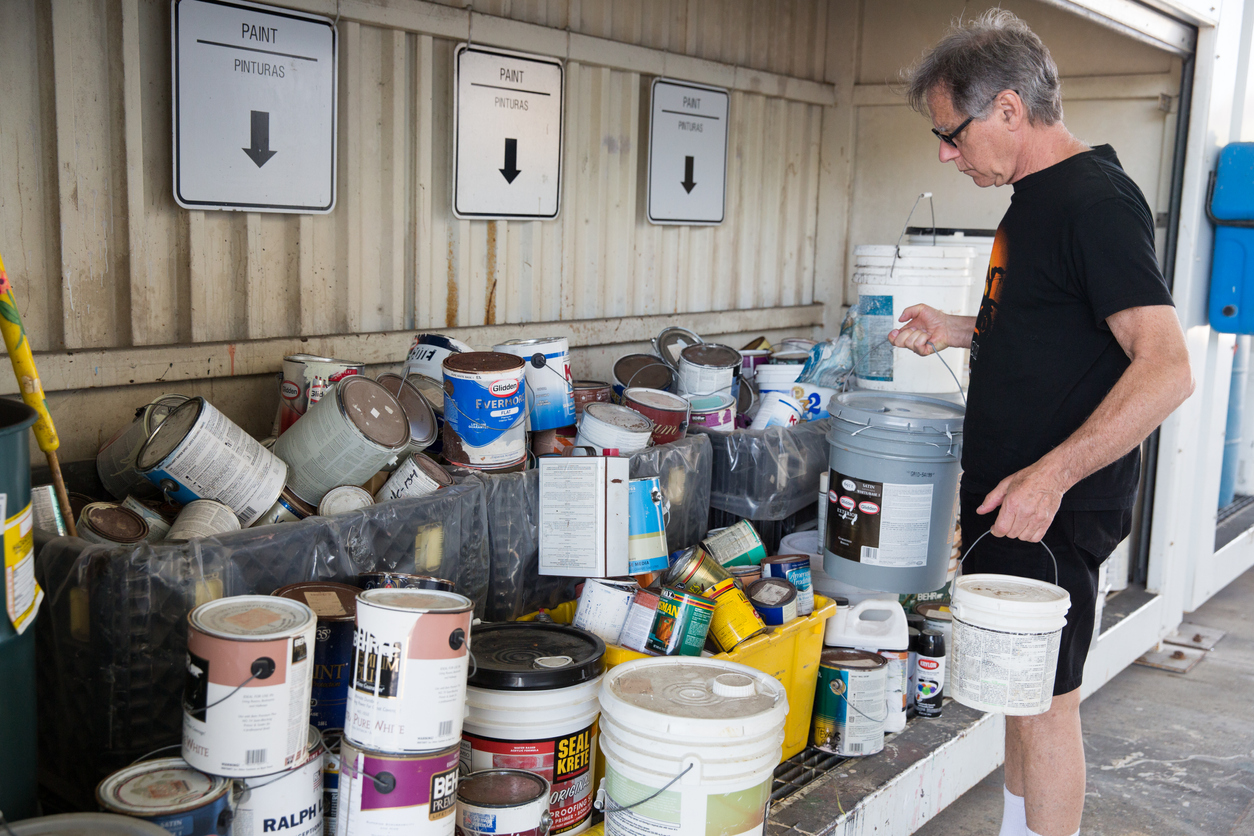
(768, 474)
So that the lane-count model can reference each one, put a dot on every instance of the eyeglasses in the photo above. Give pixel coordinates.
(953, 135)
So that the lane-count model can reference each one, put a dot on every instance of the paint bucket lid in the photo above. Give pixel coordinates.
(159, 787)
(691, 698)
(656, 399)
(530, 656)
(712, 355)
(476, 362)
(416, 600)
(252, 617)
(854, 659)
(422, 424)
(169, 434)
(993, 594)
(374, 411)
(344, 498)
(329, 601)
(646, 370)
(501, 788)
(671, 341)
(893, 411)
(115, 523)
(771, 592)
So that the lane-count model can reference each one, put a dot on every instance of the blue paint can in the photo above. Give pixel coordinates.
(646, 526)
(550, 390)
(485, 409)
(172, 795)
(335, 605)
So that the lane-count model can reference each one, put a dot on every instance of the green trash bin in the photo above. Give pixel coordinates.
(17, 652)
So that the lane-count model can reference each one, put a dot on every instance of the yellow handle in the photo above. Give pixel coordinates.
(24, 365)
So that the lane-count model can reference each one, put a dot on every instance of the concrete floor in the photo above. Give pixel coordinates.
(1167, 753)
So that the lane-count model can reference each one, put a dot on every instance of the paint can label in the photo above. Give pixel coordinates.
(681, 624)
(419, 797)
(333, 659)
(652, 813)
(734, 618)
(646, 525)
(21, 592)
(603, 608)
(291, 804)
(878, 523)
(796, 572)
(486, 412)
(849, 711)
(639, 623)
(736, 545)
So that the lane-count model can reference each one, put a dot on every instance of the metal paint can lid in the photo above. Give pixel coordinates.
(252, 618)
(169, 434)
(115, 523)
(415, 600)
(619, 416)
(344, 498)
(771, 592)
(375, 411)
(647, 370)
(534, 656)
(852, 659)
(671, 341)
(712, 355)
(501, 788)
(656, 399)
(933, 611)
(159, 787)
(476, 362)
(423, 426)
(330, 601)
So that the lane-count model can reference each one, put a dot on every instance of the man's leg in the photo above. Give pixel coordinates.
(1014, 820)
(1045, 764)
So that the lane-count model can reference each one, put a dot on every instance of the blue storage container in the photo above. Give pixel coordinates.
(1230, 206)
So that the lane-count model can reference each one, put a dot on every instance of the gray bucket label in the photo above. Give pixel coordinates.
(878, 523)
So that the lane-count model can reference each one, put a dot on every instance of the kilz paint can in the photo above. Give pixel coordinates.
(484, 409)
(344, 439)
(305, 380)
(794, 568)
(669, 413)
(734, 618)
(107, 524)
(550, 400)
(696, 571)
(646, 526)
(681, 625)
(778, 409)
(590, 391)
(170, 794)
(603, 607)
(199, 453)
(423, 426)
(503, 802)
(645, 370)
(607, 426)
(709, 369)
(775, 600)
(335, 605)
(418, 475)
(735, 545)
(115, 463)
(639, 623)
(287, 508)
(408, 690)
(343, 499)
(849, 708)
(249, 675)
(289, 803)
(712, 413)
(400, 580)
(385, 794)
(202, 518)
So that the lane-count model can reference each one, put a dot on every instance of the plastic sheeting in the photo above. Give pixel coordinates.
(112, 633)
(768, 474)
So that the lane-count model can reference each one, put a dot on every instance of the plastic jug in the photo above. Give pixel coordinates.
(879, 625)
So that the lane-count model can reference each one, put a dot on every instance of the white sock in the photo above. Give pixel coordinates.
(1014, 818)
(1032, 832)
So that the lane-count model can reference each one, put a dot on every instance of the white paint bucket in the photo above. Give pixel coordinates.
(305, 380)
(503, 802)
(603, 607)
(410, 660)
(115, 463)
(709, 369)
(550, 396)
(384, 794)
(290, 803)
(485, 409)
(249, 679)
(418, 475)
(609, 426)
(716, 724)
(778, 409)
(1006, 632)
(202, 518)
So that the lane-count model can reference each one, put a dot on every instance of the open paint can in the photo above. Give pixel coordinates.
(170, 794)
(503, 802)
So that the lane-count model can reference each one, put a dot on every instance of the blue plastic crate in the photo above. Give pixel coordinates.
(1230, 206)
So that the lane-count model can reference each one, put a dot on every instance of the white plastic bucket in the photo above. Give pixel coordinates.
(1006, 632)
(717, 725)
(777, 410)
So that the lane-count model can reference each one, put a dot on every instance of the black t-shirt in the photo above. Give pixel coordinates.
(1075, 246)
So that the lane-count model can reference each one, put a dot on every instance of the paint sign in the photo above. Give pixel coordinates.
(687, 153)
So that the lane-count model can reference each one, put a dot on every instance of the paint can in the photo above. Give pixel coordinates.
(930, 673)
(290, 803)
(170, 794)
(199, 453)
(305, 380)
(344, 439)
(331, 783)
(746, 405)
(287, 508)
(343, 499)
(115, 462)
(411, 794)
(427, 354)
(734, 618)
(789, 358)
(418, 475)
(550, 401)
(423, 426)
(249, 675)
(849, 704)
(695, 571)
(503, 802)
(681, 625)
(735, 545)
(712, 413)
(532, 704)
(745, 575)
(669, 413)
(794, 568)
(671, 341)
(410, 660)
(202, 518)
(750, 359)
(553, 442)
(646, 526)
(484, 409)
(645, 370)
(46, 511)
(775, 600)
(590, 391)
(639, 623)
(709, 369)
(400, 580)
(109, 524)
(153, 513)
(335, 605)
(777, 409)
(609, 426)
(603, 606)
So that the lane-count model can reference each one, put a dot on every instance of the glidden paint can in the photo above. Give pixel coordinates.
(794, 568)
(590, 391)
(503, 802)
(418, 475)
(115, 463)
(683, 620)
(735, 545)
(849, 704)
(645, 370)
(400, 580)
(646, 527)
(423, 426)
(199, 453)
(410, 660)
(609, 426)
(734, 618)
(385, 794)
(775, 600)
(249, 675)
(202, 518)
(335, 605)
(290, 803)
(170, 794)
(669, 413)
(107, 524)
(305, 380)
(550, 403)
(639, 623)
(696, 571)
(484, 409)
(603, 607)
(709, 369)
(712, 413)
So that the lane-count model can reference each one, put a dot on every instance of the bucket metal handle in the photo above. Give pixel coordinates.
(1048, 551)
(608, 805)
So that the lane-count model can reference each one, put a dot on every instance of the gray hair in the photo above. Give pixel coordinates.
(977, 59)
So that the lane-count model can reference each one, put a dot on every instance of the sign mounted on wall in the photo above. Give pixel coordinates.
(507, 135)
(687, 153)
(254, 107)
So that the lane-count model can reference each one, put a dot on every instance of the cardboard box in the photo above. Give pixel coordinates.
(583, 516)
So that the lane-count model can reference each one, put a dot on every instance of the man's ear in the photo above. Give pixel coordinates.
(1009, 108)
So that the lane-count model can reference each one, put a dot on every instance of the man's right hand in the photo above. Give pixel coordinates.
(923, 324)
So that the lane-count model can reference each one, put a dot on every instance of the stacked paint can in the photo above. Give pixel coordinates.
(485, 411)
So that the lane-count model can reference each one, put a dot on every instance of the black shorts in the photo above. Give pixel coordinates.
(1080, 540)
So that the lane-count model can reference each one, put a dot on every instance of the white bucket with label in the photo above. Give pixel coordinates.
(706, 733)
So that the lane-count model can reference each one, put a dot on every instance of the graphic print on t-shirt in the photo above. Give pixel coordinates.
(993, 283)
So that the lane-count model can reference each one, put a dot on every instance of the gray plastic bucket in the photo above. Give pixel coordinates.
(892, 490)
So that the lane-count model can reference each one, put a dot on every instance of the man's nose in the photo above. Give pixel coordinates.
(948, 153)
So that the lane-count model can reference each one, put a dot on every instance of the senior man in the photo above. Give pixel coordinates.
(1076, 356)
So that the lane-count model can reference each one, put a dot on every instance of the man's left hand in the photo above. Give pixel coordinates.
(1028, 499)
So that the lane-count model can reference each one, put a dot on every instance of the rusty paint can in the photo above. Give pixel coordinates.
(115, 462)
(668, 412)
(305, 380)
(696, 571)
(417, 476)
(335, 605)
(202, 518)
(590, 391)
(775, 599)
(503, 802)
(400, 580)
(734, 618)
(484, 410)
(424, 427)
(108, 524)
(646, 370)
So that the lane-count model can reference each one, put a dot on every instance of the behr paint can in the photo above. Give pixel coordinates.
(734, 618)
(423, 426)
(335, 605)
(385, 794)
(709, 369)
(170, 794)
(109, 524)
(199, 453)
(775, 600)
(343, 499)
(202, 518)
(712, 413)
(550, 401)
(735, 545)
(681, 625)
(645, 370)
(418, 475)
(503, 802)
(794, 568)
(287, 508)
(695, 571)
(484, 409)
(646, 527)
(607, 426)
(849, 707)
(344, 439)
(669, 413)
(639, 623)
(400, 580)
(289, 803)
(305, 380)
(115, 462)
(408, 690)
(249, 676)
(590, 391)
(603, 607)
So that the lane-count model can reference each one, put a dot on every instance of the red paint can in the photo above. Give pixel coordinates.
(668, 412)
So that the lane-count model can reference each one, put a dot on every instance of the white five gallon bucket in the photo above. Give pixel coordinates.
(706, 733)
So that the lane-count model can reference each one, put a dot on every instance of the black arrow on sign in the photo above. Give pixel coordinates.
(688, 183)
(260, 152)
(511, 161)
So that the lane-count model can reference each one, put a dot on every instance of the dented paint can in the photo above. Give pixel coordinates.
(645, 370)
(550, 397)
(170, 794)
(287, 508)
(290, 803)
(305, 380)
(343, 499)
(503, 802)
(484, 410)
(115, 462)
(108, 524)
(202, 518)
(669, 413)
(249, 677)
(590, 391)
(335, 605)
(424, 427)
(397, 793)
(709, 369)
(400, 580)
(418, 475)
